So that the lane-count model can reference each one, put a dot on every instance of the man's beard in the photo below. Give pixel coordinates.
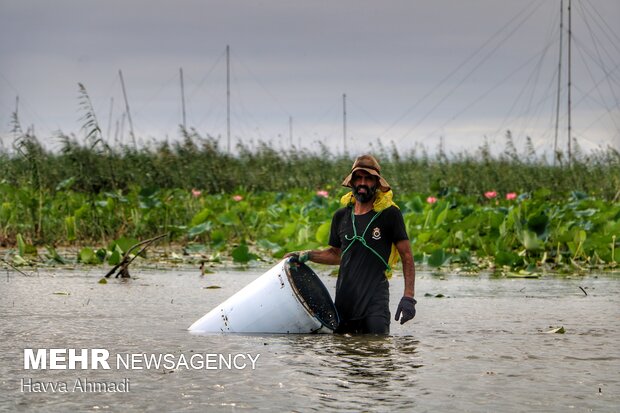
(366, 196)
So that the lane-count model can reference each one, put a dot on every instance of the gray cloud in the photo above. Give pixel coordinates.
(298, 58)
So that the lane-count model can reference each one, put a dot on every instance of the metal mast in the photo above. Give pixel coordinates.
(570, 156)
(183, 98)
(228, 96)
(133, 136)
(290, 129)
(344, 122)
(557, 108)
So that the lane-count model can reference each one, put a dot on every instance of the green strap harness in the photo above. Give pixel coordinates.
(361, 239)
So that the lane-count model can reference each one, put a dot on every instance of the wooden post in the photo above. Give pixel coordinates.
(182, 99)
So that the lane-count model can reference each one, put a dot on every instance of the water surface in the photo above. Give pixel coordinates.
(484, 346)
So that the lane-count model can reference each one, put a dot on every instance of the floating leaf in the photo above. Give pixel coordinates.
(522, 274)
(558, 330)
(19, 260)
(103, 281)
(440, 295)
(61, 293)
(211, 287)
(88, 256)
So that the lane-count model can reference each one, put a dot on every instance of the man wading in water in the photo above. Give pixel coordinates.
(367, 236)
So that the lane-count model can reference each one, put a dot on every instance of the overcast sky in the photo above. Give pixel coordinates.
(414, 72)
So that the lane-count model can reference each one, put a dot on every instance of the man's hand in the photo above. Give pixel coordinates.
(407, 308)
(298, 257)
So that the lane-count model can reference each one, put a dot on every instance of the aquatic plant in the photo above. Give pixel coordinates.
(534, 231)
(505, 211)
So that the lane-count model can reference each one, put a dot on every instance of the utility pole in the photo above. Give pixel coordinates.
(182, 98)
(344, 122)
(290, 129)
(228, 96)
(557, 105)
(110, 118)
(131, 132)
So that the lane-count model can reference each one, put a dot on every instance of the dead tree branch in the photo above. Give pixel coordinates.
(123, 266)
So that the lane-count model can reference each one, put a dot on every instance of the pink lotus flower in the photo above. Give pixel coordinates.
(237, 198)
(511, 195)
(431, 199)
(196, 192)
(490, 194)
(322, 193)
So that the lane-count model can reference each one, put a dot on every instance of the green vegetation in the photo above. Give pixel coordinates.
(512, 211)
(198, 162)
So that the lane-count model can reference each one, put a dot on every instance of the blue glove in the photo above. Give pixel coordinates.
(407, 308)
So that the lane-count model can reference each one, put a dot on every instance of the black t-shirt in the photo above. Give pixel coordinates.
(362, 288)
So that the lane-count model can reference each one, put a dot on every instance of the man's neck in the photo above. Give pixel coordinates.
(362, 208)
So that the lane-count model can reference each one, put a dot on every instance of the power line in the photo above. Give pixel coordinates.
(600, 59)
(486, 93)
(454, 71)
(462, 81)
(609, 28)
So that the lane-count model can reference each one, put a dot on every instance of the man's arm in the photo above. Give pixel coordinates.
(406, 307)
(330, 256)
(404, 249)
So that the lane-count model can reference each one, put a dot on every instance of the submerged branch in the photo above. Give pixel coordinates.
(15, 268)
(127, 259)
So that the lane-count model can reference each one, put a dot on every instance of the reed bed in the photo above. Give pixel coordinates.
(513, 209)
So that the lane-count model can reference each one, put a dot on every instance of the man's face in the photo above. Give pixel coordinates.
(364, 186)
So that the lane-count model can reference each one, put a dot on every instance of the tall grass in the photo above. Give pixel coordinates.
(197, 161)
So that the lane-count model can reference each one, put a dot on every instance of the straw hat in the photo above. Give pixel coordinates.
(369, 164)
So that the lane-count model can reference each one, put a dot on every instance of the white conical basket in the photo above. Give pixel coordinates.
(289, 298)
